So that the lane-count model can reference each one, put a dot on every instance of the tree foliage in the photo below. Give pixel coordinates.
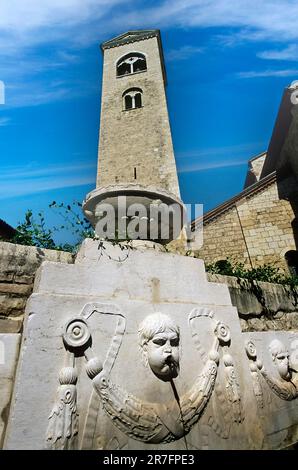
(266, 272)
(33, 231)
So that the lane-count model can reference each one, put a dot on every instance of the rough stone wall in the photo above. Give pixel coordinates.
(18, 265)
(256, 230)
(222, 238)
(138, 138)
(262, 306)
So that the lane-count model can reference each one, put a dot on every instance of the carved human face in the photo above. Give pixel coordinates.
(163, 354)
(282, 363)
(280, 356)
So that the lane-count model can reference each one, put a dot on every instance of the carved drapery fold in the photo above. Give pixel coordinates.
(285, 390)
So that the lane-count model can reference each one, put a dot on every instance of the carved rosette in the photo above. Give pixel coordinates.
(223, 333)
(77, 333)
(251, 350)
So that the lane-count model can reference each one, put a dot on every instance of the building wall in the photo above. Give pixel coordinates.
(256, 230)
(138, 138)
(18, 265)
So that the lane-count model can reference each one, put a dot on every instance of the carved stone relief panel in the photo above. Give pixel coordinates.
(272, 363)
(284, 381)
(160, 348)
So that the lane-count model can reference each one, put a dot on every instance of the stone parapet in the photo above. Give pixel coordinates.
(262, 306)
(18, 265)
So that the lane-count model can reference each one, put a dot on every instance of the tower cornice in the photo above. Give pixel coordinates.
(130, 37)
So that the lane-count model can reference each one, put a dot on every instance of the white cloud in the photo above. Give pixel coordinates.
(183, 53)
(268, 73)
(26, 25)
(22, 16)
(216, 151)
(32, 171)
(288, 53)
(254, 19)
(35, 96)
(19, 181)
(4, 121)
(201, 166)
(16, 189)
(36, 21)
(216, 157)
(31, 23)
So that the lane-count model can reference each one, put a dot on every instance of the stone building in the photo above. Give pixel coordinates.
(259, 225)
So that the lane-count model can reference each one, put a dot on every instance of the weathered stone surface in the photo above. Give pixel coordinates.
(277, 406)
(18, 265)
(262, 306)
(20, 289)
(59, 279)
(9, 349)
(12, 305)
(163, 282)
(11, 324)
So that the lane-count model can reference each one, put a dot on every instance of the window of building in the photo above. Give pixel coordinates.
(291, 257)
(132, 98)
(131, 63)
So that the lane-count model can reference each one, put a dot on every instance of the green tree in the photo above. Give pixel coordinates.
(33, 231)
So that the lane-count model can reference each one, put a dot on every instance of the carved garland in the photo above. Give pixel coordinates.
(143, 421)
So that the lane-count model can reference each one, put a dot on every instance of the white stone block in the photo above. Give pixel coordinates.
(9, 350)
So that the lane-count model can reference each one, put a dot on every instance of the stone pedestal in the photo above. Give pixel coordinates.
(132, 348)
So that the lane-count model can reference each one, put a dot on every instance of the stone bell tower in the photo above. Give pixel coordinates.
(135, 157)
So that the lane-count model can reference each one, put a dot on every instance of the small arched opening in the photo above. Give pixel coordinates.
(291, 258)
(132, 98)
(131, 63)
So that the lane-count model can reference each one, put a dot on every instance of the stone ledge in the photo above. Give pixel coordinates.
(261, 305)
(22, 289)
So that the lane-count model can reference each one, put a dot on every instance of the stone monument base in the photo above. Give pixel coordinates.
(132, 348)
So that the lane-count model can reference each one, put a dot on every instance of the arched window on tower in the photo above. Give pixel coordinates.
(291, 258)
(131, 63)
(132, 98)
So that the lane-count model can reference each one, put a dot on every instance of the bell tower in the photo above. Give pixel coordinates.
(135, 156)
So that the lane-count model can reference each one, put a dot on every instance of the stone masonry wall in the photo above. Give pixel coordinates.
(262, 306)
(256, 230)
(18, 265)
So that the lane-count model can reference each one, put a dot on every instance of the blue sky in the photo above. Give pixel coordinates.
(227, 63)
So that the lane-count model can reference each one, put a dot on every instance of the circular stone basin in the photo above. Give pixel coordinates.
(131, 211)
